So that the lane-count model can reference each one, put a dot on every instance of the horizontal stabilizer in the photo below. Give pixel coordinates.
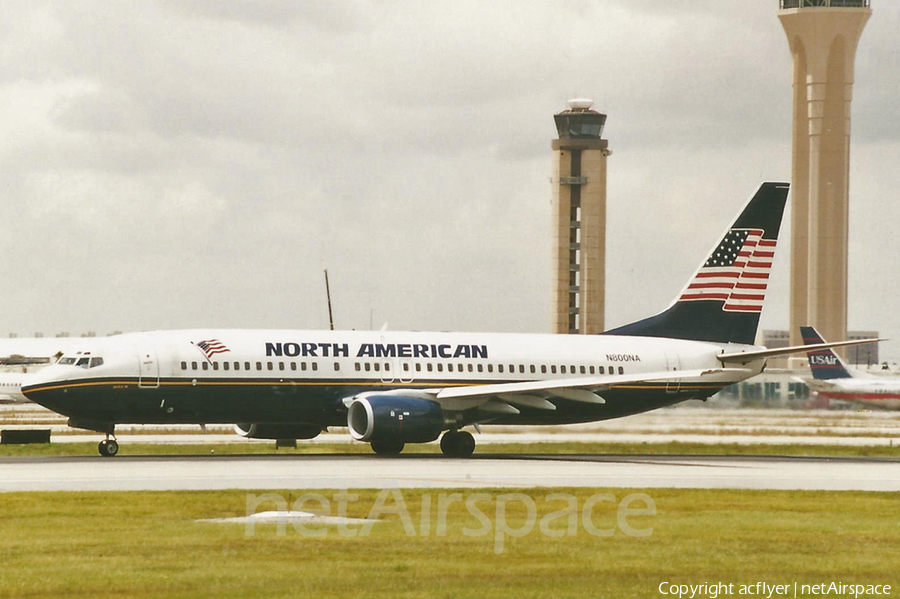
(749, 356)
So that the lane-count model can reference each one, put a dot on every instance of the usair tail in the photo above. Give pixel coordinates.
(723, 300)
(824, 363)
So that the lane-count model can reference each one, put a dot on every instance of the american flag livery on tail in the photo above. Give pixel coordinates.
(737, 272)
(722, 302)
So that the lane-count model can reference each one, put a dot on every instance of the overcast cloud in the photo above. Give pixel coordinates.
(183, 164)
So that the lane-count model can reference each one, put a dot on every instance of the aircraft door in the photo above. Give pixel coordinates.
(673, 364)
(148, 367)
(388, 370)
(405, 372)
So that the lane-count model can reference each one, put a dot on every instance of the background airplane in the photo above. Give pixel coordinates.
(834, 380)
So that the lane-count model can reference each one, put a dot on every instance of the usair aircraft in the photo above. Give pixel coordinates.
(834, 380)
(393, 388)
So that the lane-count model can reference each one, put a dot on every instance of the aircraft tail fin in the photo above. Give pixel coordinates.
(723, 300)
(824, 363)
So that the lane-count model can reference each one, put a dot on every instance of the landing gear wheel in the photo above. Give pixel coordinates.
(387, 447)
(108, 448)
(112, 448)
(458, 444)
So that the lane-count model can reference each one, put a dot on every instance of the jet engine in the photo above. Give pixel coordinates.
(394, 418)
(297, 430)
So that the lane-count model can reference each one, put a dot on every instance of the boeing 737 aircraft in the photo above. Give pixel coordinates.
(392, 388)
(832, 378)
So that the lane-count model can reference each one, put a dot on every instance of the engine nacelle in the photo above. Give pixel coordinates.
(395, 417)
(278, 431)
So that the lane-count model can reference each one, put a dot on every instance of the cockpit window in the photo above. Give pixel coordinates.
(83, 362)
(67, 361)
(96, 362)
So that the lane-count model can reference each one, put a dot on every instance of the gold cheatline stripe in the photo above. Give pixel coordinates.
(190, 383)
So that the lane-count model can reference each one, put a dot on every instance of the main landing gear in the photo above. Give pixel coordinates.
(387, 447)
(457, 444)
(108, 448)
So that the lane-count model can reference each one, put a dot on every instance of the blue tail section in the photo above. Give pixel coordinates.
(722, 302)
(824, 363)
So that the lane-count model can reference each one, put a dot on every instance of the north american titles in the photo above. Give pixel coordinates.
(376, 350)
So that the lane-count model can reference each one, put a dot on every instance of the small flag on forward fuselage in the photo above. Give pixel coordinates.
(211, 347)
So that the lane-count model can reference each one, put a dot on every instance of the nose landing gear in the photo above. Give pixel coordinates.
(108, 448)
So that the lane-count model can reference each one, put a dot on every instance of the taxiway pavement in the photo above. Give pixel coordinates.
(164, 473)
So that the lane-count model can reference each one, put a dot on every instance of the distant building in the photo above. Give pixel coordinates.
(579, 220)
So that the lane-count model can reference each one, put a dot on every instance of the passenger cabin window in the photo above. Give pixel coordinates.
(601, 370)
(481, 368)
(543, 369)
(246, 365)
(302, 365)
(226, 365)
(521, 369)
(215, 365)
(553, 369)
(532, 369)
(193, 366)
(592, 370)
(562, 369)
(621, 370)
(270, 366)
(429, 367)
(418, 367)
(368, 367)
(293, 366)
(281, 366)
(237, 365)
(470, 368)
(440, 367)
(499, 367)
(259, 365)
(358, 367)
(583, 370)
(205, 366)
(490, 368)
(184, 365)
(377, 367)
(315, 366)
(337, 366)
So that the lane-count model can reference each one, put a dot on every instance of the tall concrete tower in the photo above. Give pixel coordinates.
(823, 35)
(579, 219)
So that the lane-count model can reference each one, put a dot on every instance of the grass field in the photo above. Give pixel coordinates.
(78, 449)
(151, 545)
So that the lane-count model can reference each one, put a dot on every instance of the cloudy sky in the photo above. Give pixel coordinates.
(178, 164)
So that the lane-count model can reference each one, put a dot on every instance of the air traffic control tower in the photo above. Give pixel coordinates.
(823, 35)
(579, 219)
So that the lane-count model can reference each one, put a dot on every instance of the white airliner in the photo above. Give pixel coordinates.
(393, 388)
(11, 386)
(834, 380)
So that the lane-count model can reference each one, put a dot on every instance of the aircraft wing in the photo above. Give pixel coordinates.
(504, 397)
